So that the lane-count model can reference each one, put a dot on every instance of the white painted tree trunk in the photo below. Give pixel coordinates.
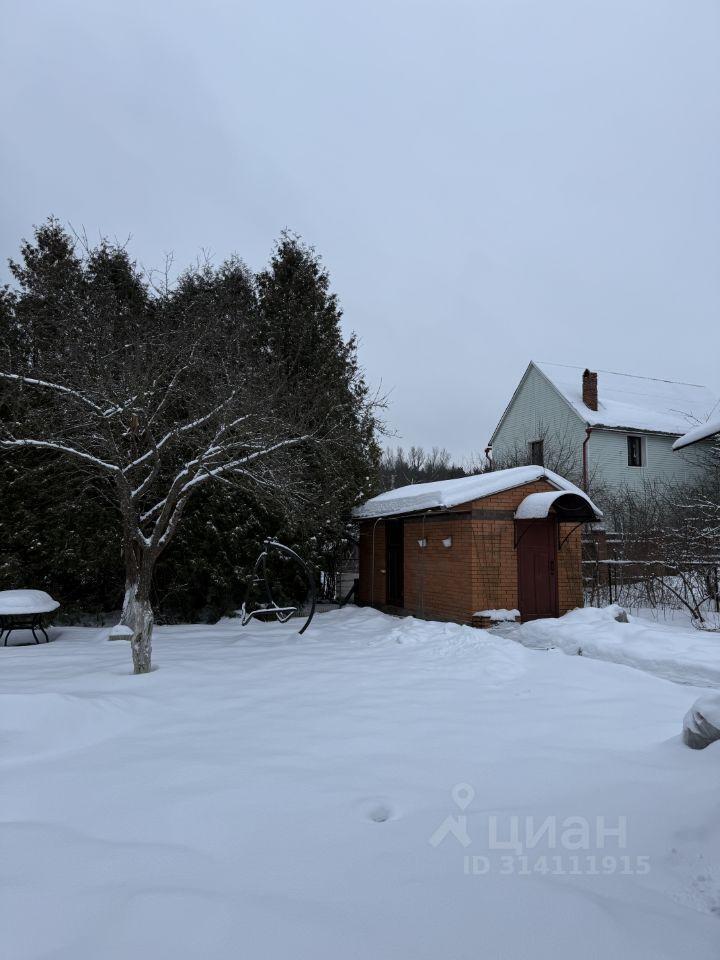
(138, 615)
(129, 605)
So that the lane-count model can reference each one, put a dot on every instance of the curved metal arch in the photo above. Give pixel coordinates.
(260, 576)
(566, 505)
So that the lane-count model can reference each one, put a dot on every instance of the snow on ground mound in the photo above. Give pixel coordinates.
(701, 725)
(337, 795)
(710, 621)
(15, 602)
(677, 653)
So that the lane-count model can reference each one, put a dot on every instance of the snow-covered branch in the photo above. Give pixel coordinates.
(61, 448)
(182, 429)
(236, 465)
(57, 388)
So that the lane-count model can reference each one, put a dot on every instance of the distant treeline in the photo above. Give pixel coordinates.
(399, 468)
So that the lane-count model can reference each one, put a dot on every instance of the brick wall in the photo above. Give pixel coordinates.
(479, 570)
(569, 563)
(438, 579)
(495, 575)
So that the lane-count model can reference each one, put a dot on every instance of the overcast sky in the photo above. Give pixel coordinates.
(488, 182)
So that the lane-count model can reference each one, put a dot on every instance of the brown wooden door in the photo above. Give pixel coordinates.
(537, 569)
(394, 563)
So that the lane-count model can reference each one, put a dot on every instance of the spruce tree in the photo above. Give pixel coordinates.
(59, 526)
(300, 324)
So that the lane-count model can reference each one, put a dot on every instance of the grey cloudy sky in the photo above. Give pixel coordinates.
(488, 182)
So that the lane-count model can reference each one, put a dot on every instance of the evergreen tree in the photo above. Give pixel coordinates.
(60, 527)
(300, 326)
(58, 530)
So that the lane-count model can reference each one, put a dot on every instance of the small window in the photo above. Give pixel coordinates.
(635, 452)
(537, 455)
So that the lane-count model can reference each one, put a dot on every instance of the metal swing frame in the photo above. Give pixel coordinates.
(260, 576)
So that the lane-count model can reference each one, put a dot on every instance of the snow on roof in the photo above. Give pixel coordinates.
(702, 432)
(537, 506)
(451, 493)
(635, 403)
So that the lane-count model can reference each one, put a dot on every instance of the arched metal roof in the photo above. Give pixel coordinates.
(574, 507)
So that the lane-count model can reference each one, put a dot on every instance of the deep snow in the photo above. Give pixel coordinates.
(263, 795)
(671, 650)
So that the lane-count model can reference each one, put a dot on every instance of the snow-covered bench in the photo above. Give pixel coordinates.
(25, 610)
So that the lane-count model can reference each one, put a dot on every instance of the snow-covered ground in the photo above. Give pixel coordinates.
(670, 649)
(263, 795)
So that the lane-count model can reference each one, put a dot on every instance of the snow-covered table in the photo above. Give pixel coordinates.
(25, 610)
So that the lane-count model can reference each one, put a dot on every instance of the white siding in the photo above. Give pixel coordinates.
(536, 409)
(608, 466)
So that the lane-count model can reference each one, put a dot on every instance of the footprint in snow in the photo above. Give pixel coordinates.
(378, 810)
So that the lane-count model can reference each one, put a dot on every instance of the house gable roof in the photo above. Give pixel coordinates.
(418, 497)
(531, 366)
(626, 401)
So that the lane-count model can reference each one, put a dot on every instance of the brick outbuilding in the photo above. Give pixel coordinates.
(468, 549)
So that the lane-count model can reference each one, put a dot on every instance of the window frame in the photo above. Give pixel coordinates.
(532, 444)
(630, 438)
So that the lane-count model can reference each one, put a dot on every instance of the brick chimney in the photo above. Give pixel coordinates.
(590, 389)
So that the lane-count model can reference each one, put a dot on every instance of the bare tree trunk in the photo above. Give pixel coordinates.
(141, 642)
(138, 615)
(137, 610)
(129, 604)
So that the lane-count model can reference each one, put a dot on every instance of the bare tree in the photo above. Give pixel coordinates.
(150, 394)
(417, 465)
(559, 451)
(665, 546)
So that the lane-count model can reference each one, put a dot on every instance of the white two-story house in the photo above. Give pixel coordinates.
(605, 430)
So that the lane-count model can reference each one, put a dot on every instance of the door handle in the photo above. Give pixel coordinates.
(552, 566)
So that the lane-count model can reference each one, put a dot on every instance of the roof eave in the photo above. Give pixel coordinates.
(629, 428)
(416, 513)
(448, 508)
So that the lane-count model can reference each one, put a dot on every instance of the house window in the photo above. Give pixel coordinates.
(537, 455)
(635, 451)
